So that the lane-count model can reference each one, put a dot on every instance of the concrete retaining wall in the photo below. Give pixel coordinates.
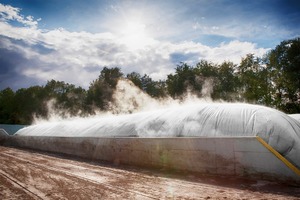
(240, 156)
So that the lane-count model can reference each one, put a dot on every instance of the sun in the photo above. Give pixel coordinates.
(133, 35)
(134, 28)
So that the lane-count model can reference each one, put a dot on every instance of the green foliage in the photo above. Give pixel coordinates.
(101, 90)
(67, 97)
(227, 84)
(7, 104)
(135, 78)
(155, 89)
(205, 79)
(206, 69)
(207, 76)
(185, 78)
(251, 79)
(284, 61)
(110, 76)
(30, 101)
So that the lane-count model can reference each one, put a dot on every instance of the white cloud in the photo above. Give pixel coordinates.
(77, 57)
(234, 51)
(9, 13)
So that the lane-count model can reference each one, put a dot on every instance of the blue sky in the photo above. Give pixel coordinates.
(72, 40)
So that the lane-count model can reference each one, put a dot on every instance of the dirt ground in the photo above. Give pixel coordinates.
(26, 174)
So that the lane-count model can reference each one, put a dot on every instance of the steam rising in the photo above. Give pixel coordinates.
(207, 88)
(128, 99)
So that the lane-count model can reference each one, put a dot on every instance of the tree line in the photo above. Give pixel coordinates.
(272, 80)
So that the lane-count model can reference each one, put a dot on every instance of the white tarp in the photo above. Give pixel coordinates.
(194, 120)
(295, 116)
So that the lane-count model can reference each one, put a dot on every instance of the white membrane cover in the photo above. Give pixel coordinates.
(194, 120)
(295, 116)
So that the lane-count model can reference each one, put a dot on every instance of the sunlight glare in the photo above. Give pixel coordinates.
(134, 35)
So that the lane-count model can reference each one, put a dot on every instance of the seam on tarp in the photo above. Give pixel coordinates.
(278, 155)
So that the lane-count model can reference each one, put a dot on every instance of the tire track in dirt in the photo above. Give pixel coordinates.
(140, 183)
(113, 188)
(32, 192)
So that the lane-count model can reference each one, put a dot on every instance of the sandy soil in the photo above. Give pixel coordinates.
(27, 174)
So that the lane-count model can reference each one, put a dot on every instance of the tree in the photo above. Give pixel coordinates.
(135, 78)
(110, 76)
(227, 84)
(153, 88)
(285, 63)
(207, 78)
(99, 94)
(7, 106)
(156, 89)
(254, 80)
(75, 102)
(183, 79)
(30, 103)
(206, 69)
(69, 100)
